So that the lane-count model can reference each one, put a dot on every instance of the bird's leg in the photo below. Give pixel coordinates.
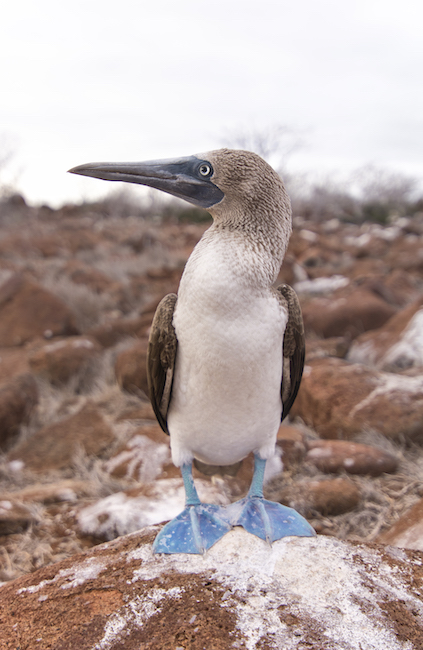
(256, 487)
(197, 528)
(191, 495)
(266, 519)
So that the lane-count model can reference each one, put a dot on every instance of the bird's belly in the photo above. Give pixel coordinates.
(226, 398)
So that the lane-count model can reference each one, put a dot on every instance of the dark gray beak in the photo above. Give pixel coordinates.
(187, 178)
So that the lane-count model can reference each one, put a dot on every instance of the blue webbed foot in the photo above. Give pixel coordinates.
(195, 530)
(268, 520)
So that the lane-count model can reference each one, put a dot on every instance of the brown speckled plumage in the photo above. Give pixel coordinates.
(161, 356)
(293, 349)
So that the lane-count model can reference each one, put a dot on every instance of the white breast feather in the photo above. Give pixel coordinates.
(226, 392)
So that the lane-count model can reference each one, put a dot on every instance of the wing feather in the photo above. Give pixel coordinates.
(161, 355)
(293, 349)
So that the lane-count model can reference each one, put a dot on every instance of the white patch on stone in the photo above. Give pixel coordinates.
(83, 343)
(349, 462)
(319, 452)
(390, 383)
(321, 285)
(119, 514)
(88, 570)
(362, 353)
(136, 612)
(408, 351)
(76, 575)
(308, 235)
(16, 465)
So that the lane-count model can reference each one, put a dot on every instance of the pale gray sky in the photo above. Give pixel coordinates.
(96, 80)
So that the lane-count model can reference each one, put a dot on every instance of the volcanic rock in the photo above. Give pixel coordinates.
(341, 399)
(131, 368)
(291, 441)
(395, 346)
(13, 362)
(327, 496)
(301, 592)
(60, 361)
(332, 347)
(407, 532)
(55, 446)
(27, 311)
(334, 456)
(90, 277)
(346, 313)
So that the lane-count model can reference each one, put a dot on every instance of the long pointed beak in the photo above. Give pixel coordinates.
(180, 177)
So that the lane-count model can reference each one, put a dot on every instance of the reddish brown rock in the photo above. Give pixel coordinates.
(55, 446)
(60, 361)
(407, 532)
(17, 401)
(346, 313)
(90, 277)
(27, 311)
(319, 593)
(291, 441)
(13, 362)
(331, 347)
(327, 496)
(131, 368)
(395, 346)
(340, 400)
(334, 456)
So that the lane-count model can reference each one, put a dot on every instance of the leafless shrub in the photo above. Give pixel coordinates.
(326, 201)
(275, 143)
(368, 194)
(376, 184)
(88, 306)
(8, 176)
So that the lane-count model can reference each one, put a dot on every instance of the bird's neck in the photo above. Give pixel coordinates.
(242, 254)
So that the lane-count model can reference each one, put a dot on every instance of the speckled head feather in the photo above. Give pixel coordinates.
(255, 199)
(255, 203)
(247, 181)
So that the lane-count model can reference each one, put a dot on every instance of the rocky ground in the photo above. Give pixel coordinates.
(82, 458)
(316, 593)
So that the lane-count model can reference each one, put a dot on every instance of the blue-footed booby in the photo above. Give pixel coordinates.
(226, 354)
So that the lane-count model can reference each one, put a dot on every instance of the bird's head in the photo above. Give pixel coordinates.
(226, 182)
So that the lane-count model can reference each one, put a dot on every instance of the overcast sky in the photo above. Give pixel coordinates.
(100, 80)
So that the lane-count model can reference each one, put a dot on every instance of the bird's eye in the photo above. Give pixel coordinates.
(205, 170)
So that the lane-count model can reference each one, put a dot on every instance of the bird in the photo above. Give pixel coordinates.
(226, 353)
